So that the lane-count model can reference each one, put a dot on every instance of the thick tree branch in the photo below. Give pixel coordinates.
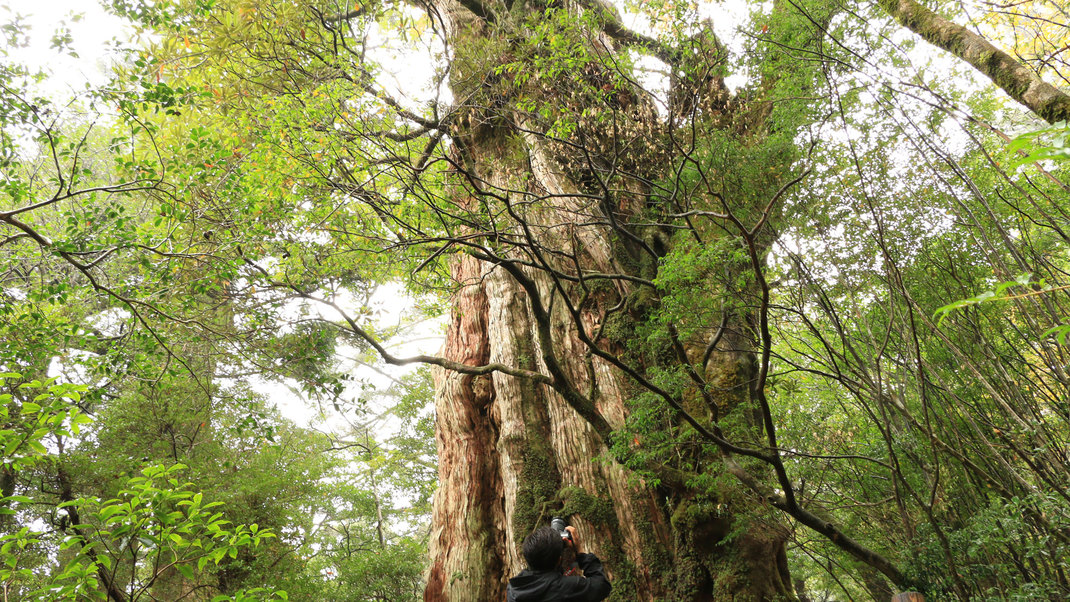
(560, 382)
(614, 28)
(346, 16)
(1014, 78)
(479, 9)
(815, 522)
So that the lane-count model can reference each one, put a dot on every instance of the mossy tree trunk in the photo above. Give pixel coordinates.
(535, 296)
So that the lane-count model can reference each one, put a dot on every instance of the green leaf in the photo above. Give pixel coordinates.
(104, 560)
(186, 571)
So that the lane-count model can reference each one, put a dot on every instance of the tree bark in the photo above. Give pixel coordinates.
(467, 542)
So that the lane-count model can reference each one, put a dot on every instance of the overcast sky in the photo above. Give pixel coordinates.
(93, 35)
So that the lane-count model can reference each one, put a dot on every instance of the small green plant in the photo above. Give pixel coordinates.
(156, 526)
(28, 422)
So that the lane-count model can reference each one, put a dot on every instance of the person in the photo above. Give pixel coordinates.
(545, 580)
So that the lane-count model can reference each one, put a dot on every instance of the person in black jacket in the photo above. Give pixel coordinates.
(545, 580)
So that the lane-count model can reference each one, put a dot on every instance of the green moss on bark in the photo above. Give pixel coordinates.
(537, 486)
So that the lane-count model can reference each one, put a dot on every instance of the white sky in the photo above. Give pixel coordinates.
(93, 35)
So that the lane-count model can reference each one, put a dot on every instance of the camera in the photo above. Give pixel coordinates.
(558, 524)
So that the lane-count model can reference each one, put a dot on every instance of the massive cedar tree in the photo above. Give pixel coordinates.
(606, 247)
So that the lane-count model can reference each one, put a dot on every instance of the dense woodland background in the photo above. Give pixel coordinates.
(769, 298)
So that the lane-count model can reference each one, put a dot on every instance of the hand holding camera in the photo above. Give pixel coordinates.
(568, 532)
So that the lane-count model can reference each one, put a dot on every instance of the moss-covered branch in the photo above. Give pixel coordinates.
(1014, 78)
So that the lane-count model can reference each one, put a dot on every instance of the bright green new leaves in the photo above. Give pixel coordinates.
(156, 529)
(29, 423)
(160, 526)
(1049, 143)
(996, 294)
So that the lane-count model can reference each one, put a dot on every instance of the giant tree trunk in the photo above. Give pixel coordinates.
(513, 453)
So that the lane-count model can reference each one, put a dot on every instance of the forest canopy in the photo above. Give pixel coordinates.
(765, 297)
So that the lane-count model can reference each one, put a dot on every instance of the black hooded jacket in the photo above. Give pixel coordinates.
(552, 586)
